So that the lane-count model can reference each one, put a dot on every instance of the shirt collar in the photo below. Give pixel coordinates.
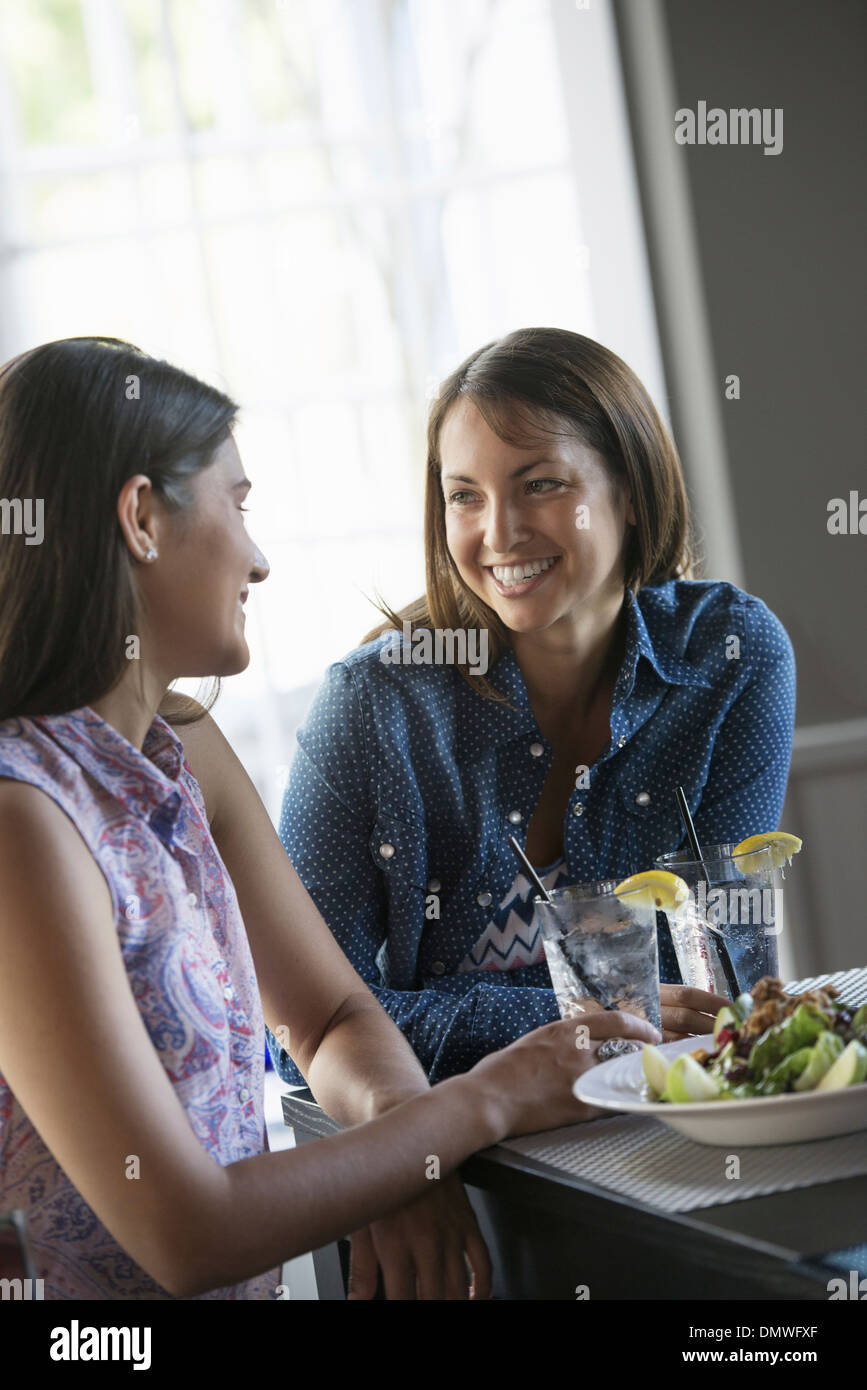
(671, 667)
(146, 781)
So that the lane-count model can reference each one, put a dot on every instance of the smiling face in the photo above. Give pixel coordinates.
(537, 533)
(196, 589)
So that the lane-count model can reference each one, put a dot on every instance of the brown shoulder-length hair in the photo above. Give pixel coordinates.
(78, 417)
(539, 382)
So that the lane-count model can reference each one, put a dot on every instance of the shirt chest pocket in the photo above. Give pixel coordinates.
(398, 848)
(648, 804)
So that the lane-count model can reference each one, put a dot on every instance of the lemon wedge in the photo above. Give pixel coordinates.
(654, 888)
(781, 845)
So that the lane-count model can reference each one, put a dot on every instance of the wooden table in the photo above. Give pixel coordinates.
(549, 1232)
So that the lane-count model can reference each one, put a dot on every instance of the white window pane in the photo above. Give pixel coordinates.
(83, 206)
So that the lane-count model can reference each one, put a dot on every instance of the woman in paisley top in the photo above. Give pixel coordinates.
(150, 920)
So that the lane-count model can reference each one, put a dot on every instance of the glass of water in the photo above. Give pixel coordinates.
(742, 899)
(601, 950)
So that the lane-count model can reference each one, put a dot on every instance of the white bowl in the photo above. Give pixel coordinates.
(785, 1119)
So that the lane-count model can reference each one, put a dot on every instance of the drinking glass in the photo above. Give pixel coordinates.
(601, 950)
(743, 898)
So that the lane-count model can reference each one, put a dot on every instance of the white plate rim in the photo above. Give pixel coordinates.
(693, 1107)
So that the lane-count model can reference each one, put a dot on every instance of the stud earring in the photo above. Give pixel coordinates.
(151, 553)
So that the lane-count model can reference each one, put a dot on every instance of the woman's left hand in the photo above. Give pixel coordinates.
(423, 1249)
(687, 1011)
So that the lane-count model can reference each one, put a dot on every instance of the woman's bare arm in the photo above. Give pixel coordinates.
(97, 1093)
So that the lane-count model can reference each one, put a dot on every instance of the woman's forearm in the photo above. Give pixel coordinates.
(270, 1208)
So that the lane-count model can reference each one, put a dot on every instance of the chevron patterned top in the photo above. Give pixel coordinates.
(512, 938)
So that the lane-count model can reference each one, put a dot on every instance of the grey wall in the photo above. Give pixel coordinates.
(781, 247)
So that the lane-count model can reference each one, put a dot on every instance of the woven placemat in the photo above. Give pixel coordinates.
(644, 1159)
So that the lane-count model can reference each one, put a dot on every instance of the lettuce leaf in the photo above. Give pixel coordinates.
(800, 1029)
(786, 1071)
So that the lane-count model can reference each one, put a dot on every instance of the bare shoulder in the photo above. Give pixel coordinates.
(37, 808)
(35, 832)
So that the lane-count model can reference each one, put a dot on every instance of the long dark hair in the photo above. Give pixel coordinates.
(78, 417)
(539, 381)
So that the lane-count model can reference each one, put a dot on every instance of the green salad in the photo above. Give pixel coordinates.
(766, 1044)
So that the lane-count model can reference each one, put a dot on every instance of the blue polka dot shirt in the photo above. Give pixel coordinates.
(407, 784)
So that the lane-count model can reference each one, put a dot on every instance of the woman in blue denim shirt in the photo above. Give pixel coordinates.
(597, 676)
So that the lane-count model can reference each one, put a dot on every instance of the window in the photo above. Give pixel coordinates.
(319, 205)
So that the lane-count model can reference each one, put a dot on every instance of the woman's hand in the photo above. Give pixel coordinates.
(423, 1249)
(687, 1011)
(532, 1078)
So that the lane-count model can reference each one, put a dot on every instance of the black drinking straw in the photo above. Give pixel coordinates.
(595, 991)
(718, 937)
(531, 872)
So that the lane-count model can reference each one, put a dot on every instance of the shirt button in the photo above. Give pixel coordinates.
(228, 992)
(484, 900)
(438, 968)
(243, 1095)
(643, 799)
(621, 741)
(386, 851)
(434, 886)
(192, 899)
(536, 749)
(578, 808)
(515, 817)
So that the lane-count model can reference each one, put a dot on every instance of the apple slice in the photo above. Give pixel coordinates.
(688, 1081)
(849, 1068)
(655, 1069)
